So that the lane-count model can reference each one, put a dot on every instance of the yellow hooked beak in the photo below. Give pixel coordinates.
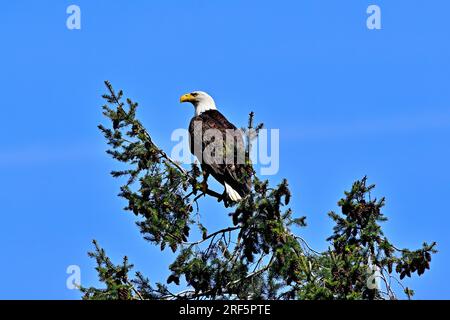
(187, 98)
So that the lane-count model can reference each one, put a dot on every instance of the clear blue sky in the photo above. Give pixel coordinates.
(348, 102)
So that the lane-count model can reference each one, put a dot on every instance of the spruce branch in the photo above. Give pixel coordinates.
(256, 256)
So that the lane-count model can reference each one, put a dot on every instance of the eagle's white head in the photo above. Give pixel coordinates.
(201, 101)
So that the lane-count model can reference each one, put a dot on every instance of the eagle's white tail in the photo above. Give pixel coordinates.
(232, 194)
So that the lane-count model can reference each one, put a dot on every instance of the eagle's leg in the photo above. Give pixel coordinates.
(224, 197)
(204, 185)
(205, 190)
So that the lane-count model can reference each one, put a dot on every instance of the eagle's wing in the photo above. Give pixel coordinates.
(232, 167)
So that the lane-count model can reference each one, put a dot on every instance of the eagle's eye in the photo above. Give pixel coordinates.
(194, 94)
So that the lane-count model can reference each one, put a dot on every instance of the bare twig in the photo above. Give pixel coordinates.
(250, 275)
(306, 244)
(135, 290)
(212, 235)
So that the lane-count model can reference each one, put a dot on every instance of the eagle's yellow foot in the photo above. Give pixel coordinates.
(204, 186)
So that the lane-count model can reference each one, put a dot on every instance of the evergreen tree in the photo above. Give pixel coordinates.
(257, 256)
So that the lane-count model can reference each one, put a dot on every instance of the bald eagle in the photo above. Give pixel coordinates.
(219, 146)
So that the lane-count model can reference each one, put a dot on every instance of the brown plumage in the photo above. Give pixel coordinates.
(236, 173)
